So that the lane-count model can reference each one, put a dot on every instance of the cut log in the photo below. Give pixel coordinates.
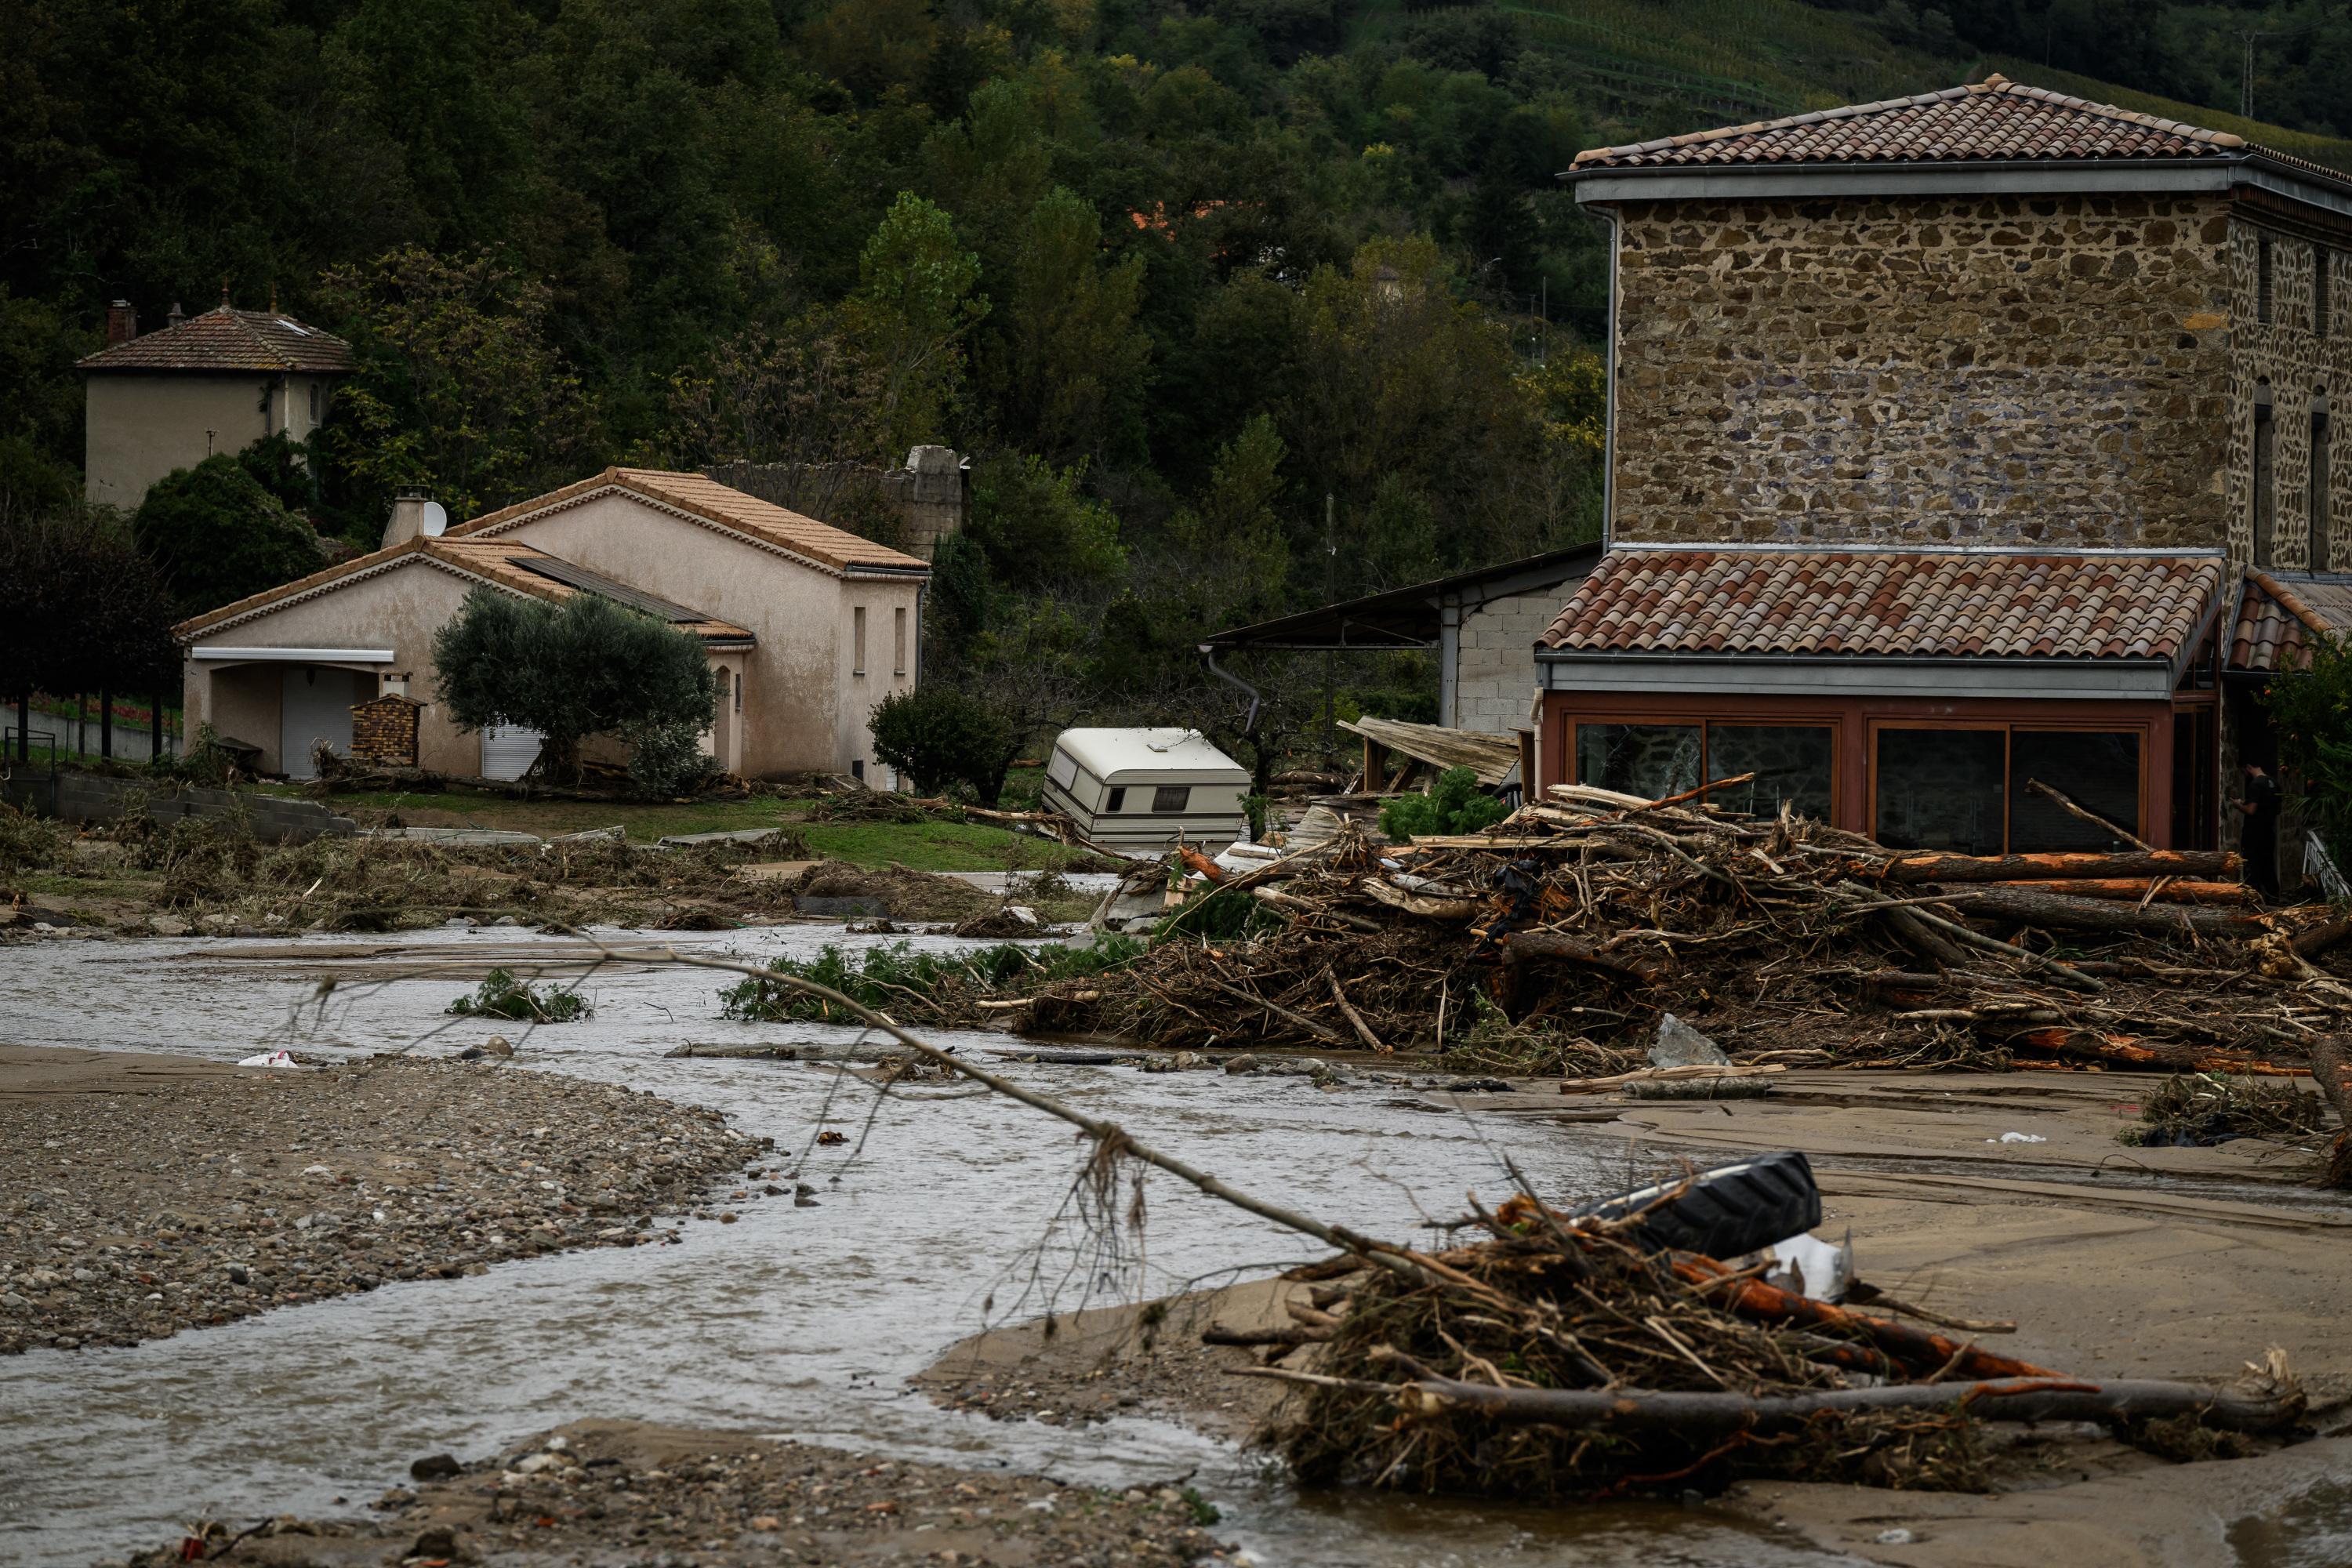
(2267, 1405)
(1521, 946)
(1916, 1350)
(2137, 889)
(2200, 864)
(2037, 909)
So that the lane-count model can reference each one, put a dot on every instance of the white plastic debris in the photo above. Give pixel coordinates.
(1811, 1267)
(2019, 1138)
(1680, 1046)
(279, 1060)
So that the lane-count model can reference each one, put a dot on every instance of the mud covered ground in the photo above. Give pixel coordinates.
(140, 1195)
(621, 1492)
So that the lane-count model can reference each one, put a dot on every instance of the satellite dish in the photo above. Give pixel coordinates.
(435, 518)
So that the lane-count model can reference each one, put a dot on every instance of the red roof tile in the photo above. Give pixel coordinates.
(229, 340)
(1993, 119)
(1888, 603)
(2277, 616)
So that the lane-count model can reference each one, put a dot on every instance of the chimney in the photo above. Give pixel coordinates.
(121, 322)
(407, 518)
(177, 315)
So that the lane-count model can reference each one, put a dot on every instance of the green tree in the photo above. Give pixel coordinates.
(217, 536)
(1071, 373)
(2311, 707)
(458, 389)
(585, 666)
(80, 608)
(1038, 528)
(917, 301)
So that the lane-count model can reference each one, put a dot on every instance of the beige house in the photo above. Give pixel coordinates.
(807, 626)
(208, 384)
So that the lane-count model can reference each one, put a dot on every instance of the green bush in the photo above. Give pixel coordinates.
(1454, 805)
(884, 978)
(939, 736)
(501, 995)
(2311, 707)
(667, 760)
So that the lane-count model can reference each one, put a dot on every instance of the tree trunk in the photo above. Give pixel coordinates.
(1521, 946)
(2026, 1399)
(2201, 864)
(2037, 909)
(2132, 889)
(105, 723)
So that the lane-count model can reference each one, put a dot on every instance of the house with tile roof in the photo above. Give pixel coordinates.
(807, 626)
(203, 385)
(1945, 433)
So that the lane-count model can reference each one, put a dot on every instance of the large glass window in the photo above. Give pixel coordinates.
(1941, 789)
(2097, 770)
(1653, 760)
(1792, 763)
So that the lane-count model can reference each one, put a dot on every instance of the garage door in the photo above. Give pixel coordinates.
(315, 705)
(507, 750)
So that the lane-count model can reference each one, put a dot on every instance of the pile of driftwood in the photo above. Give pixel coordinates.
(1560, 1357)
(1570, 927)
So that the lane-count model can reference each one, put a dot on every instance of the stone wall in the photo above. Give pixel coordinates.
(1495, 670)
(1991, 369)
(910, 508)
(2298, 358)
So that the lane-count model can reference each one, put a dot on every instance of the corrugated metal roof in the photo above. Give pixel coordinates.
(1883, 604)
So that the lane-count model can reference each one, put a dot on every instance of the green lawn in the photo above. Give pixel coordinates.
(922, 847)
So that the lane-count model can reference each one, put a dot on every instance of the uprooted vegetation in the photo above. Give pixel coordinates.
(502, 995)
(935, 987)
(2189, 1110)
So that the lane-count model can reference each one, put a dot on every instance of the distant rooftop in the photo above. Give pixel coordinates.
(229, 340)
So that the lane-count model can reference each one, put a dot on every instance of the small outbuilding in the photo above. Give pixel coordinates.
(1143, 789)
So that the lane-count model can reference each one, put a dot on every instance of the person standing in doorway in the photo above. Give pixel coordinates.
(2259, 842)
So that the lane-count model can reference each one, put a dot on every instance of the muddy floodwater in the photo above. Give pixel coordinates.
(801, 1321)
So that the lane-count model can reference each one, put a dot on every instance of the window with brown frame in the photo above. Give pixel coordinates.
(1969, 790)
(1792, 763)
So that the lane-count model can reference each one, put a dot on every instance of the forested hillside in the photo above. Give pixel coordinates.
(1172, 275)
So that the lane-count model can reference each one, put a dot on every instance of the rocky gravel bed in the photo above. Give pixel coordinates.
(626, 1493)
(133, 1209)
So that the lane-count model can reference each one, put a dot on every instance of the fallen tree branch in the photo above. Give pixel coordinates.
(2196, 864)
(1363, 1030)
(2068, 803)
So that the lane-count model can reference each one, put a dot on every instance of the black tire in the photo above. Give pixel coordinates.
(1728, 1211)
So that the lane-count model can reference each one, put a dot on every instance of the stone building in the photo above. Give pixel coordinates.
(1943, 433)
(203, 385)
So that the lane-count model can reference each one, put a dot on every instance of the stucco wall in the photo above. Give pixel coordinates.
(1495, 670)
(2043, 369)
(399, 608)
(142, 427)
(803, 708)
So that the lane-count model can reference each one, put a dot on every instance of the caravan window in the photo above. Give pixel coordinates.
(1117, 801)
(1063, 770)
(1171, 797)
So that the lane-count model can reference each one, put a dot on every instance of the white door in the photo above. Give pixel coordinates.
(507, 750)
(314, 705)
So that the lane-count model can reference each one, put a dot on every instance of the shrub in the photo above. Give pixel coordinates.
(1454, 805)
(884, 977)
(941, 735)
(29, 843)
(501, 995)
(667, 760)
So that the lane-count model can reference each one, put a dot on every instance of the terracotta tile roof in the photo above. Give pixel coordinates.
(2277, 616)
(1993, 119)
(1888, 603)
(229, 340)
(707, 499)
(496, 561)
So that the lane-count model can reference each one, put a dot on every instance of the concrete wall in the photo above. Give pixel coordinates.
(92, 797)
(142, 426)
(400, 608)
(803, 709)
(1495, 670)
(2017, 370)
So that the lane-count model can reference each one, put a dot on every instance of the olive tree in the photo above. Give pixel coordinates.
(584, 667)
